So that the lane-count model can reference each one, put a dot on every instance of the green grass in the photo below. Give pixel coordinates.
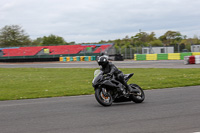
(24, 83)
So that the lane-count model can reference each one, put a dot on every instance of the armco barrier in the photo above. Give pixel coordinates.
(169, 56)
(74, 58)
(174, 56)
(71, 58)
(82, 58)
(86, 58)
(151, 57)
(60, 58)
(67, 59)
(141, 56)
(195, 53)
(77, 58)
(135, 56)
(93, 58)
(64, 58)
(162, 56)
(185, 54)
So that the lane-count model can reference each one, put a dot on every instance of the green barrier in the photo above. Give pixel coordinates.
(141, 57)
(93, 58)
(86, 58)
(71, 58)
(185, 54)
(64, 59)
(169, 56)
(162, 56)
(78, 58)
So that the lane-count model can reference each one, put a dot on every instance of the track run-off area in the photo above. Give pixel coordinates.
(172, 110)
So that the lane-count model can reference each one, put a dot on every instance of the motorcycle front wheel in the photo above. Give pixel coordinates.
(137, 97)
(102, 99)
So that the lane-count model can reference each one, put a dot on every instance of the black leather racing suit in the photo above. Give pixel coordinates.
(110, 68)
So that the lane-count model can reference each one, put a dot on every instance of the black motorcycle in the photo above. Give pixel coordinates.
(109, 90)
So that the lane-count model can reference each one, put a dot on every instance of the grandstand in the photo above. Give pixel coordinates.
(50, 53)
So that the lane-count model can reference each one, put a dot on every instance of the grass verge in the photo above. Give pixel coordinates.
(25, 83)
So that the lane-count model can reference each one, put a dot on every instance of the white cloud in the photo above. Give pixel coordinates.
(95, 20)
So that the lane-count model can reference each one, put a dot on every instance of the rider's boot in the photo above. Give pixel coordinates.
(130, 89)
(121, 89)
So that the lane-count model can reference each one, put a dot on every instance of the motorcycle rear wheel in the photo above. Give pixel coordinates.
(103, 100)
(137, 97)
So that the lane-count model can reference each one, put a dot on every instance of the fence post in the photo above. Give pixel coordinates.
(131, 53)
(125, 53)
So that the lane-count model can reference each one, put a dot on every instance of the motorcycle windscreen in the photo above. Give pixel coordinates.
(97, 72)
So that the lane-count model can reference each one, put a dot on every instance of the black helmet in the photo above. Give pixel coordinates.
(102, 61)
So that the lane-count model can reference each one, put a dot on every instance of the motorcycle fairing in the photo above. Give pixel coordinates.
(128, 76)
(108, 83)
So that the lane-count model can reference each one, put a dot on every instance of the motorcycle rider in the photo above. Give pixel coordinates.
(110, 69)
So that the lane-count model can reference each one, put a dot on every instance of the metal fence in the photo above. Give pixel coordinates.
(128, 53)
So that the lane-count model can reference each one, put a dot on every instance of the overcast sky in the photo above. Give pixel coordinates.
(96, 20)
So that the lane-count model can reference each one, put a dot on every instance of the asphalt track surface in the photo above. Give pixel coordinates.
(172, 110)
(93, 64)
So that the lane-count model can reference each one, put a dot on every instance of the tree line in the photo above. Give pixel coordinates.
(15, 35)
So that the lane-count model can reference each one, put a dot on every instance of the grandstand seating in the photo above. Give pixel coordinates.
(101, 48)
(66, 49)
(22, 51)
(54, 50)
(63, 49)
